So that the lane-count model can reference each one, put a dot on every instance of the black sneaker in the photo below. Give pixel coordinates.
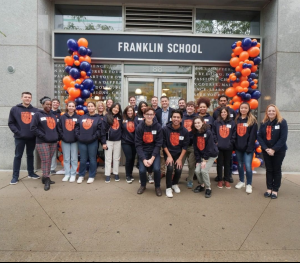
(267, 195)
(231, 180)
(199, 189)
(195, 177)
(217, 179)
(34, 176)
(208, 193)
(128, 180)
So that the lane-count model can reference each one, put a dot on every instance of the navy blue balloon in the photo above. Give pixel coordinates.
(238, 74)
(235, 159)
(234, 46)
(77, 86)
(84, 108)
(262, 161)
(250, 80)
(252, 83)
(257, 144)
(227, 75)
(89, 52)
(249, 66)
(81, 87)
(89, 73)
(234, 167)
(85, 66)
(250, 91)
(254, 44)
(82, 51)
(75, 73)
(238, 80)
(253, 76)
(67, 69)
(88, 83)
(92, 90)
(239, 94)
(79, 101)
(79, 107)
(72, 45)
(76, 57)
(85, 94)
(247, 42)
(245, 65)
(70, 51)
(247, 97)
(67, 92)
(256, 95)
(257, 61)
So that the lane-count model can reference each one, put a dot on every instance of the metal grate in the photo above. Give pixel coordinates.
(156, 19)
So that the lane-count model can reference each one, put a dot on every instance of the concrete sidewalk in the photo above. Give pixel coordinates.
(111, 222)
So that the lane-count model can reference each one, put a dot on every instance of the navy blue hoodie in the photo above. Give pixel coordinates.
(88, 128)
(57, 113)
(175, 140)
(128, 132)
(66, 127)
(246, 136)
(209, 120)
(204, 146)
(19, 121)
(138, 120)
(111, 133)
(224, 134)
(148, 139)
(231, 111)
(187, 122)
(44, 126)
(273, 135)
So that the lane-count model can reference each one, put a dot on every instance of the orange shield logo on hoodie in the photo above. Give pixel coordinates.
(269, 133)
(88, 124)
(224, 131)
(26, 117)
(148, 137)
(188, 125)
(201, 143)
(130, 127)
(241, 129)
(51, 123)
(70, 124)
(174, 138)
(116, 125)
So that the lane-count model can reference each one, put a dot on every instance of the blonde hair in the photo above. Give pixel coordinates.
(251, 118)
(278, 114)
(104, 106)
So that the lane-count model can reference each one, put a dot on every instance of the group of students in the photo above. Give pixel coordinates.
(162, 138)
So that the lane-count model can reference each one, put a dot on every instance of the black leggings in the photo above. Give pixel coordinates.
(224, 159)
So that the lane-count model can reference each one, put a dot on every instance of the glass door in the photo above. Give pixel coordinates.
(175, 89)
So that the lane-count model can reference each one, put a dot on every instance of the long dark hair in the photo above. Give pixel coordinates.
(220, 114)
(140, 113)
(203, 128)
(125, 116)
(110, 115)
(251, 118)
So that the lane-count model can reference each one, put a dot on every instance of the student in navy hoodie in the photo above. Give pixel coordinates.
(175, 143)
(246, 126)
(87, 131)
(273, 136)
(128, 141)
(20, 118)
(66, 130)
(148, 142)
(187, 122)
(206, 153)
(139, 117)
(44, 126)
(111, 139)
(224, 130)
(204, 104)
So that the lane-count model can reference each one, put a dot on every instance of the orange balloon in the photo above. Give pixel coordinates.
(238, 50)
(259, 150)
(72, 84)
(85, 104)
(255, 81)
(80, 112)
(69, 61)
(236, 85)
(251, 62)
(237, 99)
(254, 86)
(245, 84)
(62, 163)
(67, 80)
(86, 77)
(236, 105)
(74, 93)
(231, 92)
(258, 45)
(239, 89)
(244, 56)
(254, 52)
(246, 90)
(65, 88)
(83, 74)
(66, 101)
(246, 72)
(254, 69)
(239, 43)
(241, 64)
(243, 78)
(253, 104)
(234, 62)
(61, 158)
(233, 78)
(78, 81)
(233, 55)
(230, 106)
(256, 163)
(238, 69)
(82, 42)
(75, 53)
(77, 63)
(62, 113)
(81, 59)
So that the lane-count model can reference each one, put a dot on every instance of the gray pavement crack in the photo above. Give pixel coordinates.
(49, 216)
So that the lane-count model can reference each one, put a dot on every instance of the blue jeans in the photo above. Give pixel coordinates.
(156, 170)
(70, 152)
(19, 150)
(88, 152)
(245, 159)
(130, 153)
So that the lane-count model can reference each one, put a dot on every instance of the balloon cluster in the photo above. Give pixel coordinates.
(243, 82)
(78, 84)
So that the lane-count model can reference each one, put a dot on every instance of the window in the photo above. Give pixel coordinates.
(228, 22)
(81, 17)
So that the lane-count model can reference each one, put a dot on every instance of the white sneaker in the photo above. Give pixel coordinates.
(150, 179)
(249, 189)
(66, 179)
(176, 189)
(91, 180)
(169, 193)
(73, 179)
(80, 180)
(240, 185)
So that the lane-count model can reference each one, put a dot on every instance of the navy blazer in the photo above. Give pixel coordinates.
(159, 115)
